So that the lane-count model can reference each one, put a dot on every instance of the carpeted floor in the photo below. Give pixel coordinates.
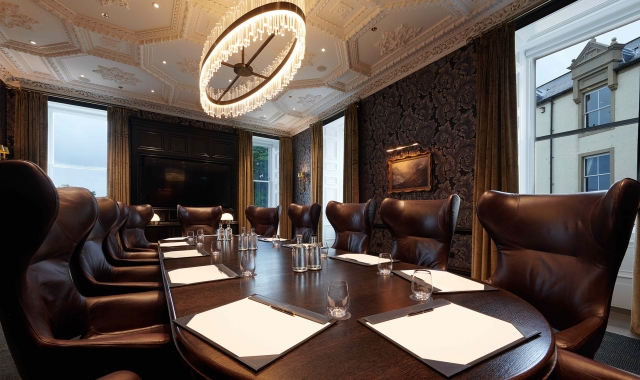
(616, 350)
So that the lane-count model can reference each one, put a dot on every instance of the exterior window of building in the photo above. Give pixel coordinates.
(597, 172)
(266, 178)
(597, 107)
(78, 147)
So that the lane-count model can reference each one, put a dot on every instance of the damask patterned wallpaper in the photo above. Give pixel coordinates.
(302, 163)
(436, 107)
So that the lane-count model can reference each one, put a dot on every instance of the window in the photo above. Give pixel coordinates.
(78, 147)
(597, 172)
(597, 107)
(266, 159)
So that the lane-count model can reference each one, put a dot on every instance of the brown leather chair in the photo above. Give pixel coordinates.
(195, 218)
(119, 257)
(305, 220)
(571, 366)
(121, 375)
(95, 276)
(422, 230)
(51, 329)
(132, 231)
(562, 253)
(353, 223)
(264, 220)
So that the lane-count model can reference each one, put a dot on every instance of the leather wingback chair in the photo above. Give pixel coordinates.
(571, 366)
(562, 253)
(305, 220)
(132, 231)
(264, 220)
(51, 329)
(422, 231)
(118, 256)
(352, 223)
(196, 218)
(94, 275)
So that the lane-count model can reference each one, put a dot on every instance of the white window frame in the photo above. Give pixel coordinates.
(585, 112)
(273, 147)
(584, 169)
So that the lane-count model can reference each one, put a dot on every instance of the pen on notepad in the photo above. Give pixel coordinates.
(419, 312)
(283, 310)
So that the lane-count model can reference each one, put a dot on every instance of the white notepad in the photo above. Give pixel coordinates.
(176, 244)
(367, 259)
(181, 254)
(451, 334)
(449, 282)
(174, 238)
(249, 328)
(196, 274)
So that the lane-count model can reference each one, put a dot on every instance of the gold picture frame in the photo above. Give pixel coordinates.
(410, 174)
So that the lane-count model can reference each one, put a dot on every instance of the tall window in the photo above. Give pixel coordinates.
(597, 172)
(597, 107)
(266, 159)
(78, 147)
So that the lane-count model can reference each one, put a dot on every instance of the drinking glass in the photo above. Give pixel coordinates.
(248, 264)
(215, 248)
(385, 264)
(325, 250)
(275, 241)
(200, 241)
(314, 254)
(200, 232)
(338, 300)
(421, 285)
(190, 239)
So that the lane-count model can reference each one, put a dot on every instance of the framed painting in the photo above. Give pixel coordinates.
(410, 174)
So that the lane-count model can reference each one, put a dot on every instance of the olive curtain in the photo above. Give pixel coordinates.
(316, 170)
(118, 185)
(32, 128)
(350, 184)
(635, 299)
(286, 185)
(245, 177)
(496, 166)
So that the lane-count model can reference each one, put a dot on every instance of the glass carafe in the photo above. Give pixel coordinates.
(299, 256)
(253, 239)
(314, 251)
(219, 232)
(228, 233)
(242, 240)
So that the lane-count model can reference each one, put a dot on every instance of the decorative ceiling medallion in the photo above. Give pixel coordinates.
(190, 66)
(111, 42)
(308, 100)
(341, 9)
(307, 61)
(243, 25)
(122, 3)
(395, 39)
(117, 75)
(11, 16)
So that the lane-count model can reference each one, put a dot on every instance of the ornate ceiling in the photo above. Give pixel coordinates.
(130, 53)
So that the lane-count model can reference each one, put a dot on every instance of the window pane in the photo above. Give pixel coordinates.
(603, 164)
(604, 97)
(605, 116)
(590, 167)
(591, 102)
(79, 139)
(591, 119)
(261, 194)
(92, 180)
(604, 182)
(260, 163)
(592, 183)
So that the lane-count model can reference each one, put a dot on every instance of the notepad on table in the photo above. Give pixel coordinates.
(195, 275)
(360, 258)
(174, 244)
(445, 282)
(173, 239)
(182, 254)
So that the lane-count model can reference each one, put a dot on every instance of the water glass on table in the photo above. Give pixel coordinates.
(275, 241)
(215, 248)
(385, 264)
(191, 238)
(200, 242)
(248, 264)
(325, 250)
(338, 300)
(421, 285)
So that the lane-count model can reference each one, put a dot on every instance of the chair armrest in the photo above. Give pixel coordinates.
(126, 311)
(148, 273)
(573, 338)
(571, 366)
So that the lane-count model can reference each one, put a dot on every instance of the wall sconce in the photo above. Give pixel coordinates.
(4, 152)
(155, 219)
(401, 147)
(302, 181)
(541, 109)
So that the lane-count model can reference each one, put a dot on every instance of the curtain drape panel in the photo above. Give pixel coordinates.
(286, 185)
(496, 166)
(32, 128)
(118, 185)
(350, 184)
(635, 299)
(316, 170)
(245, 177)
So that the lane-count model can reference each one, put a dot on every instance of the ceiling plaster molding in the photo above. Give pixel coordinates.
(53, 68)
(122, 3)
(117, 75)
(461, 7)
(53, 50)
(147, 65)
(397, 38)
(12, 16)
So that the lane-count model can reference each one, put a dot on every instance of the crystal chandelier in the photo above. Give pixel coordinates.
(244, 24)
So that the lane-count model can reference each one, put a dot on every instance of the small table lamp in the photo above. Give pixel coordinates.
(4, 151)
(226, 217)
(155, 219)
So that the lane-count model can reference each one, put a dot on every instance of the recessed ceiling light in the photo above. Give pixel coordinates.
(374, 29)
(323, 49)
(32, 42)
(81, 76)
(152, 91)
(104, 14)
(229, 80)
(294, 109)
(164, 62)
(156, 5)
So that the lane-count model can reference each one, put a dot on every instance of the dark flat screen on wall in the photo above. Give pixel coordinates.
(168, 182)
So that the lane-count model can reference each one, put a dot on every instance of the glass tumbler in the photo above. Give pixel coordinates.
(385, 264)
(338, 300)
(325, 250)
(215, 248)
(421, 285)
(314, 251)
(248, 264)
(190, 238)
(200, 242)
(200, 232)
(276, 241)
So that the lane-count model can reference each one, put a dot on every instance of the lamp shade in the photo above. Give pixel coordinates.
(226, 216)
(155, 218)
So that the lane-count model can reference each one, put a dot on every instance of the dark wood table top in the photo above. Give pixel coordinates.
(347, 349)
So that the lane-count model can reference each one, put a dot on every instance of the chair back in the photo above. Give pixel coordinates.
(264, 220)
(305, 220)
(422, 231)
(112, 245)
(562, 253)
(132, 231)
(196, 218)
(353, 223)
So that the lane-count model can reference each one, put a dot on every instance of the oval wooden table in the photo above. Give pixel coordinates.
(347, 349)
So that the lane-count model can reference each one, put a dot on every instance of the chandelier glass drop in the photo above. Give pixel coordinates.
(249, 22)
